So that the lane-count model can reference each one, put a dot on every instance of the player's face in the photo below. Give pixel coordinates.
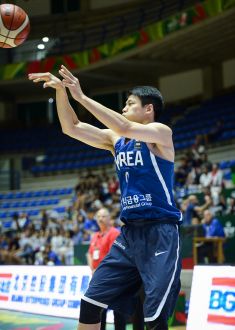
(133, 109)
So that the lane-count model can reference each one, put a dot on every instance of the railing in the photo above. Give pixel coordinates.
(9, 180)
(72, 33)
(117, 26)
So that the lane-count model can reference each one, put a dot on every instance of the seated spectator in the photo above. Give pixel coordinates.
(216, 183)
(113, 185)
(191, 208)
(205, 178)
(43, 219)
(3, 242)
(77, 236)
(230, 205)
(20, 221)
(212, 228)
(90, 223)
(26, 250)
(50, 258)
(96, 204)
(193, 176)
(57, 240)
(66, 251)
(182, 172)
(198, 229)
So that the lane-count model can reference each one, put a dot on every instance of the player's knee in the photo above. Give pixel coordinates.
(158, 324)
(89, 313)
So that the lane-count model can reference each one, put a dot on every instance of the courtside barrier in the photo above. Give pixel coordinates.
(212, 301)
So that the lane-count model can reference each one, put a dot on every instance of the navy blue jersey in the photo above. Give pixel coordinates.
(146, 183)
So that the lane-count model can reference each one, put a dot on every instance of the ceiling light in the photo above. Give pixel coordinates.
(45, 39)
(41, 46)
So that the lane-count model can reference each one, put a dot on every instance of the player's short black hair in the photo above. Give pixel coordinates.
(149, 95)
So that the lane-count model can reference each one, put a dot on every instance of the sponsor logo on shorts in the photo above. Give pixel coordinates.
(119, 244)
(158, 253)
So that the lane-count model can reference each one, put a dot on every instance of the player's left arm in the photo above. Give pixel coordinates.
(151, 133)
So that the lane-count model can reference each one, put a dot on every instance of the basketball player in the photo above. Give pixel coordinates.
(147, 252)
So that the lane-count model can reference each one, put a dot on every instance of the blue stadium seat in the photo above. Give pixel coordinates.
(224, 164)
(5, 205)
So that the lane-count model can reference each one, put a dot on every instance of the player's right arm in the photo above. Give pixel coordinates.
(71, 125)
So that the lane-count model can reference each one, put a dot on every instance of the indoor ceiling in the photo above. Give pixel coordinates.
(205, 44)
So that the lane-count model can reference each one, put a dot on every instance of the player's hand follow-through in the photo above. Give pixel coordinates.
(71, 82)
(50, 80)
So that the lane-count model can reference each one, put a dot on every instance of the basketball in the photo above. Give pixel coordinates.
(14, 26)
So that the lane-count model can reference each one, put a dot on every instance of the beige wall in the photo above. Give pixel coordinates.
(35, 7)
(229, 73)
(181, 86)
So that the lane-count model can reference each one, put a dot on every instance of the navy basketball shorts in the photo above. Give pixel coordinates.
(145, 256)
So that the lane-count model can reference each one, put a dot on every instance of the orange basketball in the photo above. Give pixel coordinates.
(14, 26)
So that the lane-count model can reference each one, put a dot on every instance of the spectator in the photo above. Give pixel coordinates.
(192, 209)
(77, 236)
(50, 258)
(216, 183)
(57, 240)
(90, 223)
(193, 176)
(65, 252)
(212, 228)
(205, 178)
(231, 206)
(26, 250)
(20, 221)
(182, 172)
(44, 219)
(212, 225)
(216, 176)
(113, 185)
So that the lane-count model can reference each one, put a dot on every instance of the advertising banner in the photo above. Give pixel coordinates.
(46, 290)
(212, 301)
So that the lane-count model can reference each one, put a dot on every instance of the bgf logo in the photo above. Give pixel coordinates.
(222, 301)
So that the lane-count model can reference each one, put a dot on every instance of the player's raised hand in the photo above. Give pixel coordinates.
(71, 82)
(49, 80)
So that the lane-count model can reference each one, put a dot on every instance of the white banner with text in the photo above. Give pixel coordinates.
(47, 290)
(212, 301)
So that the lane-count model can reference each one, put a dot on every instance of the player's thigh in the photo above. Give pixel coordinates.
(116, 280)
(160, 271)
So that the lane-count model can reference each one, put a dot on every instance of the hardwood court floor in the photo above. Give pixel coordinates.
(10, 320)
